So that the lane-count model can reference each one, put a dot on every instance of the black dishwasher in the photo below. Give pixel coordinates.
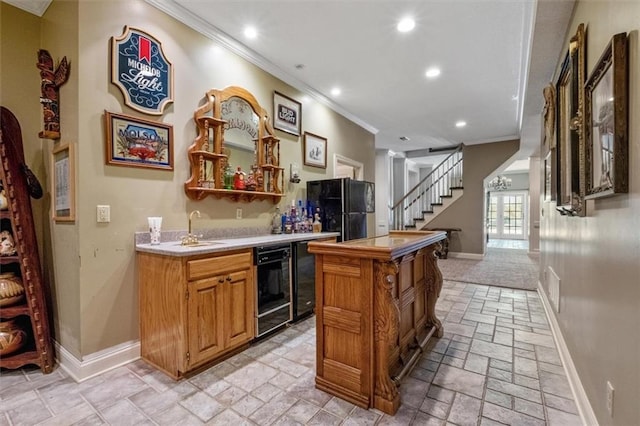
(273, 287)
(304, 281)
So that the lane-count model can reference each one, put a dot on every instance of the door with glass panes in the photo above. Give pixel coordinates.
(507, 215)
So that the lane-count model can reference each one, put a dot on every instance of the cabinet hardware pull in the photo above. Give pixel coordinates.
(229, 278)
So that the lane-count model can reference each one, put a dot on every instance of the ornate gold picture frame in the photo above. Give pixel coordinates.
(606, 117)
(571, 164)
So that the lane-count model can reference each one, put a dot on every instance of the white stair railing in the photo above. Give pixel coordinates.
(428, 192)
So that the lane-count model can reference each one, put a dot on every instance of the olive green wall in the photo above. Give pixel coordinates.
(92, 265)
(23, 34)
(596, 257)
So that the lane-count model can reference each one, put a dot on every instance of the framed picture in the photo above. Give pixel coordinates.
(606, 114)
(63, 183)
(287, 114)
(570, 153)
(369, 197)
(141, 71)
(315, 150)
(547, 177)
(135, 142)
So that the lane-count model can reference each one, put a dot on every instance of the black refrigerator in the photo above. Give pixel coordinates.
(344, 204)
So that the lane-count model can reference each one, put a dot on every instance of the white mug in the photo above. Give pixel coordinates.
(155, 224)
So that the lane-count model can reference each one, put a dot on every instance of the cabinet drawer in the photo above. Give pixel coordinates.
(202, 268)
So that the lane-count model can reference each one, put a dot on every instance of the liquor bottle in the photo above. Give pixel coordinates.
(317, 225)
(309, 222)
(288, 227)
(303, 220)
(293, 216)
(276, 224)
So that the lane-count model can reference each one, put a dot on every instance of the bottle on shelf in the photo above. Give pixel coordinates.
(239, 179)
(317, 225)
(303, 220)
(250, 182)
(288, 226)
(228, 177)
(276, 224)
(293, 215)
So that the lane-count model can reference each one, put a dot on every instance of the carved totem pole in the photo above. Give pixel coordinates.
(49, 87)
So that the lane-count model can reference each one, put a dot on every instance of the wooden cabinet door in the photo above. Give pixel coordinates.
(239, 308)
(205, 319)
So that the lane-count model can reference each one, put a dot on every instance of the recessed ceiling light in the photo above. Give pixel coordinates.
(336, 91)
(433, 72)
(406, 25)
(461, 123)
(250, 32)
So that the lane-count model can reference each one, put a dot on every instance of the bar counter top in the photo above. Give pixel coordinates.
(385, 247)
(175, 248)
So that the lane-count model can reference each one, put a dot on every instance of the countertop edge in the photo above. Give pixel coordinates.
(353, 249)
(173, 248)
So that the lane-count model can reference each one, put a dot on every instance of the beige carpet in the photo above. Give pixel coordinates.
(500, 267)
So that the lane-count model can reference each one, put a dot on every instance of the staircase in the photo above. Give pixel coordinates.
(425, 201)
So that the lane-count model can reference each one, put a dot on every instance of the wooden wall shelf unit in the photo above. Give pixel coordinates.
(230, 113)
(375, 313)
(194, 310)
(32, 312)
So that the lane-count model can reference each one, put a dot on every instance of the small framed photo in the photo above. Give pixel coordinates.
(606, 116)
(63, 183)
(315, 150)
(287, 114)
(135, 142)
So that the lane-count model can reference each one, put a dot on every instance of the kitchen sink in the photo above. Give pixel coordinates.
(200, 244)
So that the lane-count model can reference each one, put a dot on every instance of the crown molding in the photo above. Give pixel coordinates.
(36, 7)
(198, 24)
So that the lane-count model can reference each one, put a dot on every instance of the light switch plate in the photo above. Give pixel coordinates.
(103, 214)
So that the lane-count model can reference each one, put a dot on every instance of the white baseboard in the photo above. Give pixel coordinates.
(472, 256)
(97, 362)
(579, 395)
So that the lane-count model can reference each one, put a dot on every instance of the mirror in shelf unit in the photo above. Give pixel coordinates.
(234, 130)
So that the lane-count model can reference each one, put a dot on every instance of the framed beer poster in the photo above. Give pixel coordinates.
(141, 71)
(287, 114)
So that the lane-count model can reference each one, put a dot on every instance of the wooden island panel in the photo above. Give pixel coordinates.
(375, 313)
(347, 321)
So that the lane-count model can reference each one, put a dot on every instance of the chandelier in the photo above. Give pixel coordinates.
(500, 183)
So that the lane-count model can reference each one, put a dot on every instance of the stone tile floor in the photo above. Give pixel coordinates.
(497, 364)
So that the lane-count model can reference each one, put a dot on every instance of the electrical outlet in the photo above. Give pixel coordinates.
(103, 214)
(610, 395)
(238, 213)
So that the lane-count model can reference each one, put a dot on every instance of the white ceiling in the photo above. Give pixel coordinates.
(495, 57)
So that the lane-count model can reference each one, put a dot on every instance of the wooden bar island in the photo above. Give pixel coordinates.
(375, 313)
